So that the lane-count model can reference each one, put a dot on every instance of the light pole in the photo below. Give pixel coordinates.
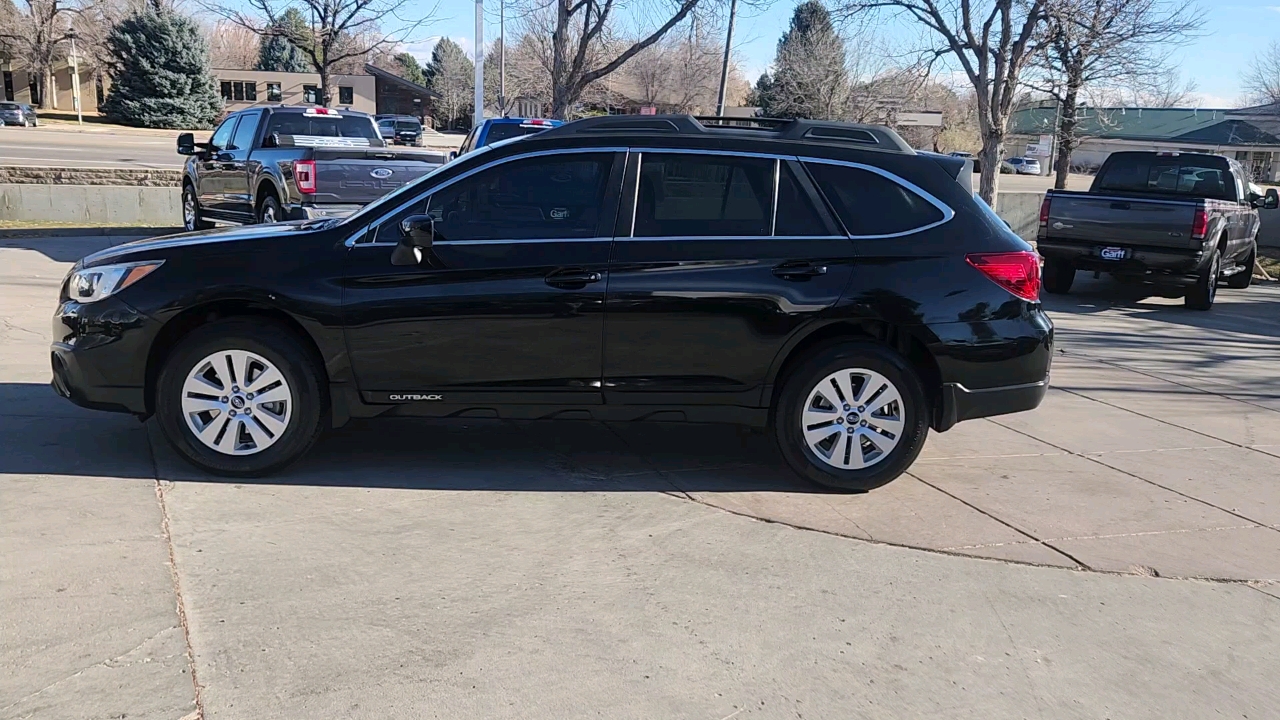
(502, 57)
(75, 77)
(478, 115)
(724, 67)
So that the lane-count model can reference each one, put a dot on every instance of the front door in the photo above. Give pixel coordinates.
(211, 183)
(508, 305)
(710, 285)
(237, 195)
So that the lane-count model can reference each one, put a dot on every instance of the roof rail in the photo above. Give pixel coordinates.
(824, 131)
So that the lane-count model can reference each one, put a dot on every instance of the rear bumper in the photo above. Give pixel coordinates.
(313, 212)
(959, 403)
(1166, 265)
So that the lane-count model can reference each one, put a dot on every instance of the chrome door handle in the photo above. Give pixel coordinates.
(799, 271)
(572, 278)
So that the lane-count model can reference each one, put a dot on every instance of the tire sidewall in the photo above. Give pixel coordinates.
(194, 224)
(800, 383)
(278, 346)
(275, 206)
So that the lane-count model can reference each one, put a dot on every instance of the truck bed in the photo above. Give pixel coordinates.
(1122, 219)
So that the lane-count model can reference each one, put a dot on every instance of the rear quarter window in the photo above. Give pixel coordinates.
(870, 204)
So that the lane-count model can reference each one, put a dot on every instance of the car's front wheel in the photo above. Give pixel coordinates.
(191, 219)
(240, 397)
(852, 416)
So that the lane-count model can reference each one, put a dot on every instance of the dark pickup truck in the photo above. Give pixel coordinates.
(266, 164)
(1178, 221)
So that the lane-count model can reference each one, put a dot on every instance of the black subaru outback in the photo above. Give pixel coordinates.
(820, 279)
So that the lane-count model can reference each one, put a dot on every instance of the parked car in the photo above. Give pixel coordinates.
(1021, 166)
(12, 113)
(291, 163)
(1178, 221)
(820, 279)
(400, 129)
(497, 129)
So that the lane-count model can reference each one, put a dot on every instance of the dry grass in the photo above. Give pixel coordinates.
(1269, 259)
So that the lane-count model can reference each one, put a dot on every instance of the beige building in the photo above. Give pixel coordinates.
(20, 86)
(245, 88)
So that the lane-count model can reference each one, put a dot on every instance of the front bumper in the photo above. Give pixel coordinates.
(99, 355)
(1176, 266)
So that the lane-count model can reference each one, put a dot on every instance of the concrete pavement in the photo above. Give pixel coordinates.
(491, 569)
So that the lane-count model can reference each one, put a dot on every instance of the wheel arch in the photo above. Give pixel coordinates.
(899, 338)
(266, 184)
(183, 324)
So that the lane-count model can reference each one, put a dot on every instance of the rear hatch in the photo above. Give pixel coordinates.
(1117, 220)
(362, 176)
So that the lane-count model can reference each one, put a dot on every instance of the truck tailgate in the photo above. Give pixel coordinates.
(1122, 220)
(362, 176)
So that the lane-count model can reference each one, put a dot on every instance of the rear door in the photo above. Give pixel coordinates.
(508, 306)
(706, 284)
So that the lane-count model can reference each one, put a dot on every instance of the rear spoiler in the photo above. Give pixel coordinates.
(960, 169)
(317, 141)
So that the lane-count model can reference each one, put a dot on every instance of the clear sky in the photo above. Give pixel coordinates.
(1234, 30)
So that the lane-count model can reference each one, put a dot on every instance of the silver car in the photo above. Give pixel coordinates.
(12, 113)
(1021, 166)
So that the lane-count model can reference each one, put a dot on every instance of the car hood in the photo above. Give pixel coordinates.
(155, 247)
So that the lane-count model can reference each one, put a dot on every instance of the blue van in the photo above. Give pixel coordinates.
(496, 129)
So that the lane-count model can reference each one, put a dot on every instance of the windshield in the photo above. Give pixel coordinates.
(506, 131)
(297, 124)
(10, 106)
(408, 125)
(395, 197)
(1201, 176)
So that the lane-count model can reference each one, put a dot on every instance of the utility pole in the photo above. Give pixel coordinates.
(478, 116)
(724, 67)
(502, 57)
(75, 77)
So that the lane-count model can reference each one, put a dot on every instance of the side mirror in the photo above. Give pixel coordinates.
(453, 154)
(1271, 200)
(187, 144)
(417, 233)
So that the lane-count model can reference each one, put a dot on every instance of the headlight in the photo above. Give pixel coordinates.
(95, 283)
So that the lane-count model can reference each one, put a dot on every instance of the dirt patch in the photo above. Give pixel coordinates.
(1269, 259)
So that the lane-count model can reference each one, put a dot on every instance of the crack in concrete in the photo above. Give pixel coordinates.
(1121, 366)
(166, 530)
(1107, 537)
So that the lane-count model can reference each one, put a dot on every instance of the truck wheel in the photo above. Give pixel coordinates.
(240, 397)
(852, 416)
(1200, 296)
(191, 219)
(1058, 276)
(1244, 278)
(269, 210)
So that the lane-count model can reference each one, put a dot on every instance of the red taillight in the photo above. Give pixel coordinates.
(1017, 272)
(1200, 224)
(1044, 211)
(304, 176)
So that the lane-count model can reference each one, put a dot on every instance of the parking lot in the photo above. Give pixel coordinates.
(1114, 553)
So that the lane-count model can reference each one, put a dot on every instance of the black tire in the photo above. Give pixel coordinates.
(192, 220)
(1058, 276)
(279, 346)
(269, 207)
(1244, 278)
(800, 382)
(1201, 295)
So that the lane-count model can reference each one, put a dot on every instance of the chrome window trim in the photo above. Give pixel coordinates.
(773, 219)
(350, 242)
(947, 212)
(732, 238)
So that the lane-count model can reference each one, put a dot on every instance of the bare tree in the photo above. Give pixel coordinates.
(1103, 41)
(992, 41)
(1261, 80)
(232, 47)
(681, 71)
(336, 31)
(1160, 89)
(37, 35)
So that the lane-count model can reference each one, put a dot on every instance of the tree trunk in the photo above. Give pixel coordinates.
(561, 85)
(44, 81)
(324, 87)
(989, 185)
(1066, 133)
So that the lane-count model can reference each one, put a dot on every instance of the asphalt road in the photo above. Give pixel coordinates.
(63, 147)
(1112, 554)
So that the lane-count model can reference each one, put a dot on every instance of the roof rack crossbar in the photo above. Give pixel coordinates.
(879, 137)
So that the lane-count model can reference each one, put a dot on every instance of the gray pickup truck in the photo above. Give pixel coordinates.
(266, 164)
(1178, 221)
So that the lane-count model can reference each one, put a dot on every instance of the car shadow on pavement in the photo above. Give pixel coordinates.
(42, 434)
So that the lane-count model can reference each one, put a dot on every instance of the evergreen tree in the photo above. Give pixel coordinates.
(452, 74)
(160, 73)
(759, 95)
(277, 54)
(410, 69)
(810, 79)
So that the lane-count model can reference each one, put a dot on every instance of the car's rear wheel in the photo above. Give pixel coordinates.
(1200, 296)
(852, 416)
(269, 210)
(1058, 276)
(240, 397)
(191, 219)
(1244, 278)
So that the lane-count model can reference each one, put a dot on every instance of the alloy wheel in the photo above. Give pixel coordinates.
(853, 419)
(189, 210)
(236, 402)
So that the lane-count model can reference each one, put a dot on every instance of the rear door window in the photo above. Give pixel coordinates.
(689, 195)
(870, 204)
(796, 214)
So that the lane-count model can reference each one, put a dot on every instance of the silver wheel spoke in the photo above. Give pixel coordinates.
(260, 438)
(227, 443)
(275, 394)
(195, 405)
(267, 378)
(271, 421)
(210, 431)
